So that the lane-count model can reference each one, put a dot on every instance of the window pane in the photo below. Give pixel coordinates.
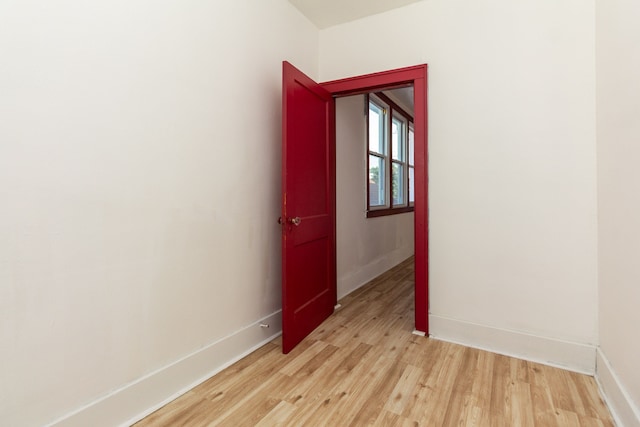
(376, 181)
(376, 129)
(397, 139)
(412, 195)
(411, 136)
(397, 184)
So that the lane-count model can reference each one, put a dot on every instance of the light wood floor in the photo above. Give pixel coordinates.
(363, 366)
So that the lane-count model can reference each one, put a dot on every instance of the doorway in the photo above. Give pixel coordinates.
(417, 77)
(308, 215)
(374, 185)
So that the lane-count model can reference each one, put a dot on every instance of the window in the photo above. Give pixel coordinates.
(377, 153)
(390, 167)
(398, 160)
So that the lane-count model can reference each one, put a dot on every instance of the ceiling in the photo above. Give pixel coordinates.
(327, 13)
(403, 96)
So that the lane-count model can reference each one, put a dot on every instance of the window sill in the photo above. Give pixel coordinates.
(389, 211)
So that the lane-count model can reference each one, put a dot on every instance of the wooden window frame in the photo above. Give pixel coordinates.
(389, 208)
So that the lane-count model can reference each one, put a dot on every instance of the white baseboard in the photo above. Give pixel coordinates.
(362, 275)
(140, 398)
(563, 354)
(625, 412)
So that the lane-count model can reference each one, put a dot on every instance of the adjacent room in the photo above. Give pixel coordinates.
(141, 186)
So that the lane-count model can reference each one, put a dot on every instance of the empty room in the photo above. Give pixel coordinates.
(306, 212)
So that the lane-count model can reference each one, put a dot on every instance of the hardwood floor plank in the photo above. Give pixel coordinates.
(542, 406)
(478, 410)
(381, 387)
(363, 366)
(401, 393)
(339, 366)
(308, 356)
(390, 419)
(521, 408)
(188, 409)
(278, 415)
(568, 418)
(441, 384)
(557, 381)
(248, 415)
(462, 387)
(590, 422)
(595, 407)
(500, 403)
(349, 398)
(420, 404)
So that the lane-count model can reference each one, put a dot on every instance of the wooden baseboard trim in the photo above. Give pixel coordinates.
(355, 279)
(573, 356)
(140, 398)
(623, 410)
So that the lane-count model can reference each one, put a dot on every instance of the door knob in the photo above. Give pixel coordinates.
(295, 221)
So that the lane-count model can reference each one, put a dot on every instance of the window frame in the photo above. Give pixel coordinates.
(389, 208)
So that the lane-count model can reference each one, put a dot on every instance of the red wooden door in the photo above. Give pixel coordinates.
(308, 206)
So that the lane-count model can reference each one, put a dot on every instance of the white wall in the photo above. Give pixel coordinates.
(513, 228)
(618, 107)
(139, 192)
(366, 247)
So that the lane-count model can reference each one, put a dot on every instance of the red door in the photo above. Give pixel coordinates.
(308, 206)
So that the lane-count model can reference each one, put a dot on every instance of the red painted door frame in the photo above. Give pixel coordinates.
(416, 76)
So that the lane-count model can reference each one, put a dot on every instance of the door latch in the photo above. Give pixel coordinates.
(295, 221)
